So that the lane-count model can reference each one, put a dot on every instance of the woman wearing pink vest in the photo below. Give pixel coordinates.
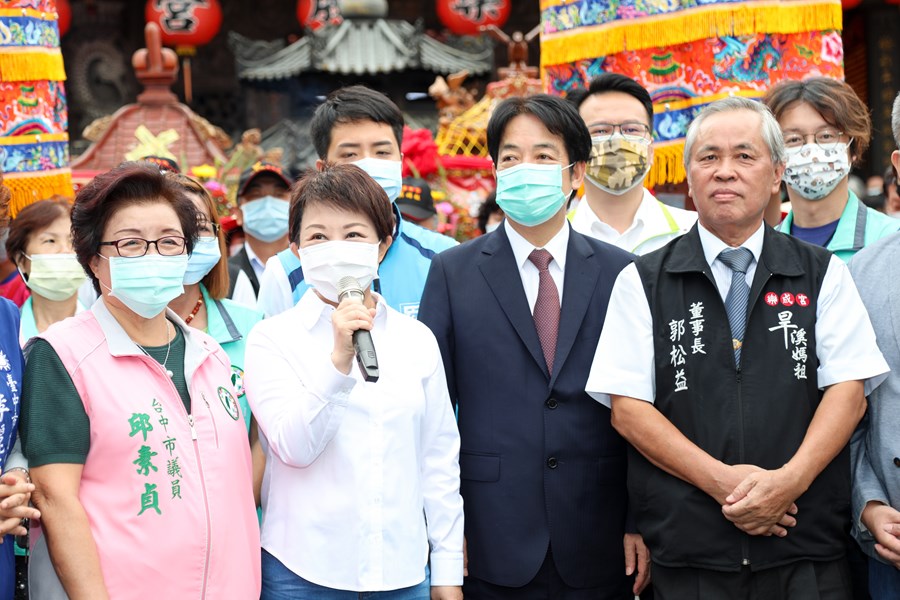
(130, 421)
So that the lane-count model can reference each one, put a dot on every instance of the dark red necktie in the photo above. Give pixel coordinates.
(546, 309)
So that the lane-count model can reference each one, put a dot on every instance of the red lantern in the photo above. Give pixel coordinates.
(185, 24)
(64, 16)
(315, 14)
(850, 4)
(464, 17)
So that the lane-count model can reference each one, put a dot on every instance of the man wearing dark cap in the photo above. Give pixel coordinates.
(416, 204)
(263, 204)
(163, 162)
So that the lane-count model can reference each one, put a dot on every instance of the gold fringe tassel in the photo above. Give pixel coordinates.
(688, 26)
(31, 66)
(668, 165)
(29, 188)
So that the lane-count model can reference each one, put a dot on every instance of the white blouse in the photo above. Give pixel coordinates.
(362, 479)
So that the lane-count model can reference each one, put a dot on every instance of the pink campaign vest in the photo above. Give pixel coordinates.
(170, 504)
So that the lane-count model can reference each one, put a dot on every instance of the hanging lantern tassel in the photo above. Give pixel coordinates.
(185, 25)
(186, 52)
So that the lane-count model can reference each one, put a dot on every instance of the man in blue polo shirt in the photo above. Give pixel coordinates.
(361, 126)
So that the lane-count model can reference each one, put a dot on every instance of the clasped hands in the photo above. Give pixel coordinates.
(757, 501)
(15, 494)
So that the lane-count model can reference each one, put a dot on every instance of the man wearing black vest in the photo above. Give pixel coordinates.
(735, 360)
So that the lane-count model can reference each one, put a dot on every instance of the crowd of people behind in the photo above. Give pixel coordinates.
(601, 400)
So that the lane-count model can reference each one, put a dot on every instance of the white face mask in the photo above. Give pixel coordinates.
(325, 264)
(54, 276)
(813, 171)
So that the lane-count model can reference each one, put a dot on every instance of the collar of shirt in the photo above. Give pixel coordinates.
(197, 345)
(522, 248)
(255, 262)
(648, 221)
(311, 309)
(712, 246)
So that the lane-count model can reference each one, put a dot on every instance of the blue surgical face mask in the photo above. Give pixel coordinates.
(146, 284)
(266, 219)
(531, 194)
(205, 256)
(388, 174)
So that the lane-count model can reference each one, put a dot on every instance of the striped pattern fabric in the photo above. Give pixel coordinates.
(738, 260)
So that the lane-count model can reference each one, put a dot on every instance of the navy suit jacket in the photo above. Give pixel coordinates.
(540, 462)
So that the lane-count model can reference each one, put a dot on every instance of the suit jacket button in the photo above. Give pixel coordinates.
(552, 403)
(552, 462)
(897, 461)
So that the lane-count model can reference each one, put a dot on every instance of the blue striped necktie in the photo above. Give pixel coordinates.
(738, 260)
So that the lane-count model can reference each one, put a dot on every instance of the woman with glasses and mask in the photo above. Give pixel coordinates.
(40, 244)
(130, 421)
(826, 130)
(204, 305)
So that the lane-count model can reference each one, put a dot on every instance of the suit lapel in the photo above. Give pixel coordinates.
(578, 290)
(894, 298)
(501, 272)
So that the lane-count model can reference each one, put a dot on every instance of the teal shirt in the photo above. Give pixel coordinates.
(228, 323)
(858, 227)
(28, 327)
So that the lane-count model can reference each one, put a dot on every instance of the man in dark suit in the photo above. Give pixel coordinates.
(517, 314)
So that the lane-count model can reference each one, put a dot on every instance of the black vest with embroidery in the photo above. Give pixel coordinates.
(756, 415)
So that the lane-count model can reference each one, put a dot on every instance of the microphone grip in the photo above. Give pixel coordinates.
(365, 354)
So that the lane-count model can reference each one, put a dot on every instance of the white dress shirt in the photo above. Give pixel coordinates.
(275, 294)
(362, 479)
(649, 231)
(255, 262)
(243, 292)
(845, 341)
(529, 273)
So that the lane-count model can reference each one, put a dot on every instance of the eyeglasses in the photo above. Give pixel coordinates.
(628, 130)
(171, 245)
(823, 137)
(208, 228)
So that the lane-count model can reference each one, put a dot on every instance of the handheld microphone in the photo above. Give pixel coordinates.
(348, 287)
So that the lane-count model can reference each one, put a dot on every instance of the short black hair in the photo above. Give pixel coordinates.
(344, 187)
(487, 208)
(614, 82)
(557, 115)
(350, 105)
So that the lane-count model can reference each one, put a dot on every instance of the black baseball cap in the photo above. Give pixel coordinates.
(415, 201)
(262, 168)
(163, 162)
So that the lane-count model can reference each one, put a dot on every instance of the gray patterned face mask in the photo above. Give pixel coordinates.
(813, 171)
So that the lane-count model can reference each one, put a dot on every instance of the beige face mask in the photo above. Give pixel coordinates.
(617, 164)
(55, 276)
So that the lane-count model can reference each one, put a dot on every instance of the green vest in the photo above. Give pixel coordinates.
(858, 227)
(228, 323)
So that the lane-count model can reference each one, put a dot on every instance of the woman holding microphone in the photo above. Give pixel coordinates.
(361, 492)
